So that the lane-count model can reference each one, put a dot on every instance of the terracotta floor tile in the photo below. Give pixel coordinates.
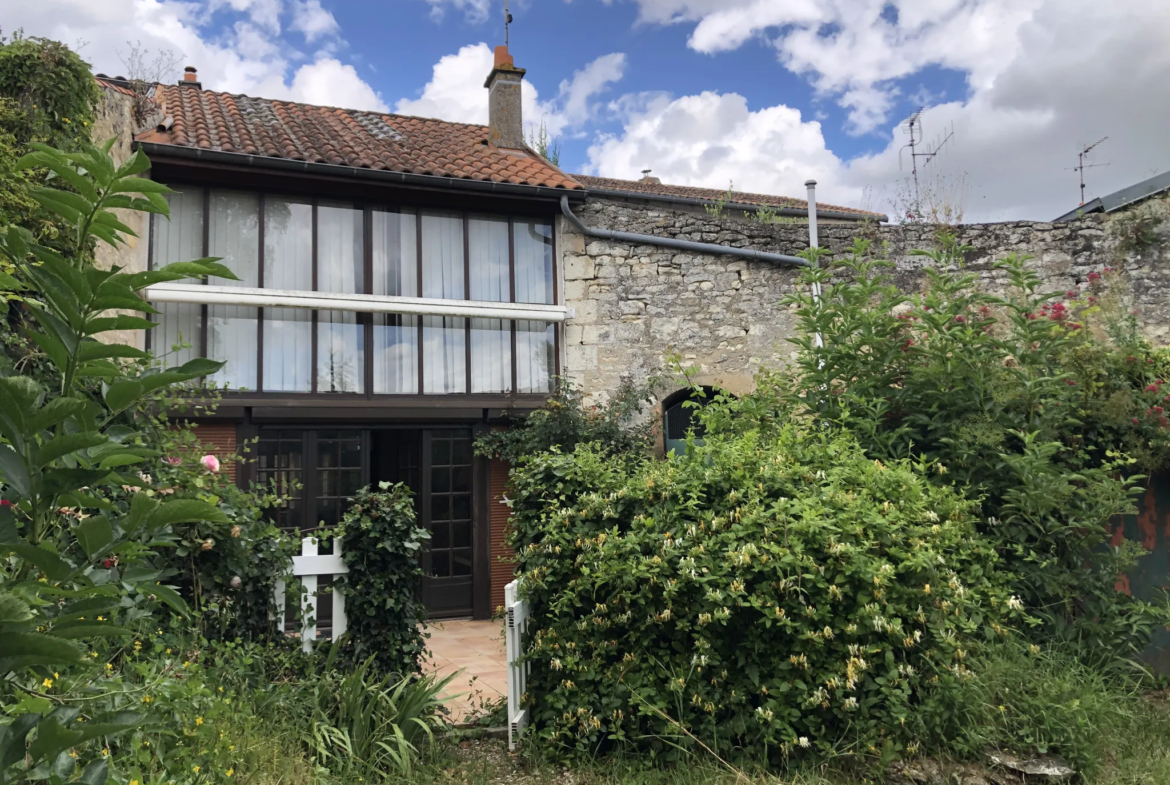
(477, 649)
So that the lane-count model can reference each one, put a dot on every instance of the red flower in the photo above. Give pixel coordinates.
(107, 563)
(1151, 388)
(1135, 422)
(1070, 382)
(1074, 326)
(5, 503)
(1094, 277)
(960, 320)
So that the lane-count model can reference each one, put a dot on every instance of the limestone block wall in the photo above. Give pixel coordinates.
(637, 304)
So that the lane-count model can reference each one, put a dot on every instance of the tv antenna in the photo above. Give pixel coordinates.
(913, 129)
(507, 21)
(1082, 166)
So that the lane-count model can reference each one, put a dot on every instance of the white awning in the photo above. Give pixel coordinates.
(363, 303)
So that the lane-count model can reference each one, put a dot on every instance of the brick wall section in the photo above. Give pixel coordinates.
(501, 554)
(219, 440)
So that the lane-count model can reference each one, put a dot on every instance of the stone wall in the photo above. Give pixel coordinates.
(636, 304)
(115, 119)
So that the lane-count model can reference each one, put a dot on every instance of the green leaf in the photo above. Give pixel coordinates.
(187, 511)
(121, 459)
(61, 208)
(200, 366)
(95, 350)
(170, 597)
(30, 648)
(12, 739)
(75, 201)
(13, 610)
(53, 566)
(54, 412)
(105, 324)
(64, 480)
(96, 773)
(52, 347)
(134, 165)
(19, 396)
(65, 444)
(108, 219)
(89, 630)
(122, 394)
(93, 534)
(13, 471)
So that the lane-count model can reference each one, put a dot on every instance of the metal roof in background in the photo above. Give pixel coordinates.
(1119, 199)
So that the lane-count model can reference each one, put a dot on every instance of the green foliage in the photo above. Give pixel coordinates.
(548, 147)
(1014, 401)
(780, 594)
(368, 727)
(79, 550)
(619, 425)
(381, 546)
(53, 89)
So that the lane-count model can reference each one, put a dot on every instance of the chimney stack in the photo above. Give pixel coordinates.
(190, 79)
(505, 120)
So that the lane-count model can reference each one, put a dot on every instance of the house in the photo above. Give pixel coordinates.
(407, 283)
(1121, 200)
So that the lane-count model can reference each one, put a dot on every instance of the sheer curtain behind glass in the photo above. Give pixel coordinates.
(491, 355)
(179, 239)
(234, 234)
(395, 255)
(339, 249)
(288, 264)
(444, 338)
(534, 262)
(535, 361)
(487, 242)
(341, 352)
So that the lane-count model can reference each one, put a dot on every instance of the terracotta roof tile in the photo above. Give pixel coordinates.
(346, 137)
(639, 187)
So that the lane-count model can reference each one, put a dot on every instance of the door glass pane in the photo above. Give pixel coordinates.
(487, 243)
(340, 266)
(288, 244)
(288, 354)
(233, 233)
(444, 355)
(279, 463)
(339, 473)
(534, 262)
(395, 353)
(491, 355)
(341, 352)
(442, 252)
(461, 562)
(395, 253)
(232, 338)
(535, 357)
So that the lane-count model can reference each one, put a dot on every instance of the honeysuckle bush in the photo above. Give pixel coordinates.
(1042, 407)
(775, 593)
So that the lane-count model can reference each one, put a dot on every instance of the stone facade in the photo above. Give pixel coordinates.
(115, 118)
(637, 304)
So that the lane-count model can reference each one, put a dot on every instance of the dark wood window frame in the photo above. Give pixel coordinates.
(366, 207)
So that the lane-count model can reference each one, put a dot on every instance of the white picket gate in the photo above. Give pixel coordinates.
(309, 566)
(516, 614)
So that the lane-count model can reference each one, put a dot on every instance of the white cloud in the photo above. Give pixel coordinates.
(712, 139)
(456, 91)
(1044, 77)
(246, 57)
(313, 21)
(474, 11)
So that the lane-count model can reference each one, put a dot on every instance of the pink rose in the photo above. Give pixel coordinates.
(210, 462)
(172, 460)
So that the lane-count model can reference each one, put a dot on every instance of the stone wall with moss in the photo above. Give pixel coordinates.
(637, 304)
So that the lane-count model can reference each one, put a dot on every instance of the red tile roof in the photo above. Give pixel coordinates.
(651, 189)
(112, 84)
(224, 122)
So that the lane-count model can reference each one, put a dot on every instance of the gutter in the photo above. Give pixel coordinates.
(354, 172)
(681, 245)
(795, 212)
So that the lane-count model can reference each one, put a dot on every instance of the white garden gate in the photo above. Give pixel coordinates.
(516, 615)
(309, 567)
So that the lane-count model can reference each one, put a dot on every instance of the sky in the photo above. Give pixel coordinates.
(758, 94)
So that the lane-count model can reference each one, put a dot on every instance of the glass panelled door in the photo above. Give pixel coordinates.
(447, 513)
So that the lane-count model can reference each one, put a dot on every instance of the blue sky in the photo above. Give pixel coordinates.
(763, 93)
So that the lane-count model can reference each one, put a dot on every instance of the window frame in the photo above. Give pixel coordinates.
(367, 207)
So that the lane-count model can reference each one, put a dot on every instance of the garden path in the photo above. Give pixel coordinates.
(477, 649)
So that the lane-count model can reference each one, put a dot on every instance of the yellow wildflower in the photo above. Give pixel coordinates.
(147, 699)
(133, 782)
(230, 772)
(47, 683)
(109, 666)
(195, 769)
(198, 720)
(105, 753)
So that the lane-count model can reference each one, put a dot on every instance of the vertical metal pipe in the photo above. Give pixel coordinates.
(811, 185)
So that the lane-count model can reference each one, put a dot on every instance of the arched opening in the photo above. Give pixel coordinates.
(680, 416)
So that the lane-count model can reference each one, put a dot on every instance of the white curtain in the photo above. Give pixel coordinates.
(395, 251)
(178, 239)
(233, 234)
(339, 249)
(231, 338)
(534, 262)
(491, 355)
(288, 351)
(341, 353)
(487, 239)
(444, 354)
(535, 361)
(442, 252)
(288, 245)
(395, 353)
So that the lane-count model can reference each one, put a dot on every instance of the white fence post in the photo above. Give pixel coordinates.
(308, 567)
(516, 612)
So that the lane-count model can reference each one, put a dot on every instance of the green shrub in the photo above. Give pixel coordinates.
(382, 543)
(767, 594)
(1022, 403)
